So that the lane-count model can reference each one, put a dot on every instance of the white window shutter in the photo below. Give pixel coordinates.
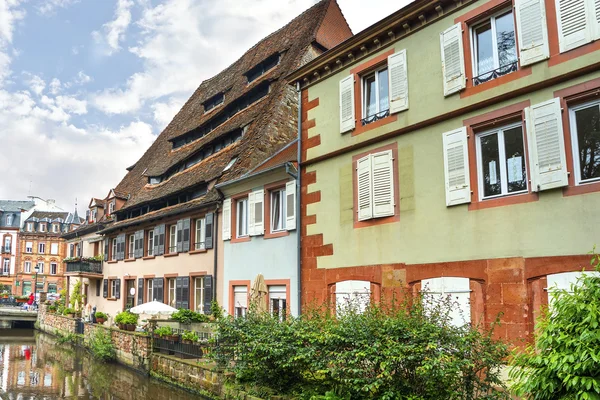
(456, 167)
(290, 205)
(364, 189)
(347, 119)
(546, 146)
(251, 214)
(574, 27)
(258, 212)
(532, 31)
(453, 60)
(398, 82)
(226, 219)
(595, 13)
(383, 184)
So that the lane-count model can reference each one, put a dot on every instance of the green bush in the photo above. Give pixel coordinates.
(68, 310)
(215, 310)
(564, 362)
(188, 316)
(126, 318)
(101, 346)
(188, 335)
(100, 314)
(392, 351)
(163, 331)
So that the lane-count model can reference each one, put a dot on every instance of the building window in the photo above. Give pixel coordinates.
(41, 248)
(55, 228)
(52, 288)
(352, 296)
(173, 239)
(240, 301)
(171, 295)
(494, 48)
(42, 227)
(278, 210)
(242, 217)
(7, 245)
(54, 248)
(29, 247)
(131, 246)
(585, 128)
(501, 166)
(9, 219)
(53, 268)
(111, 207)
(113, 289)
(150, 290)
(113, 255)
(150, 251)
(565, 281)
(213, 102)
(40, 266)
(449, 295)
(278, 302)
(199, 294)
(29, 227)
(200, 234)
(26, 287)
(6, 266)
(375, 93)
(27, 267)
(262, 68)
(375, 185)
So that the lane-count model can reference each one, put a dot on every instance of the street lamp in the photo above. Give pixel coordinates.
(37, 269)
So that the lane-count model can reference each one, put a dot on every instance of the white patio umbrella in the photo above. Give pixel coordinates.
(153, 308)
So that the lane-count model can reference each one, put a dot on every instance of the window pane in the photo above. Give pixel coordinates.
(370, 96)
(505, 35)
(588, 138)
(276, 211)
(485, 52)
(384, 99)
(515, 159)
(490, 160)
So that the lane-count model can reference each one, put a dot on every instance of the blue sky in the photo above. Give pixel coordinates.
(86, 85)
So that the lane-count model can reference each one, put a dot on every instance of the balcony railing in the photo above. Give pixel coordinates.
(90, 267)
(488, 76)
(375, 117)
(5, 249)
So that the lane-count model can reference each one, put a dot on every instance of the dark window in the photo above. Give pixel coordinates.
(213, 102)
(263, 67)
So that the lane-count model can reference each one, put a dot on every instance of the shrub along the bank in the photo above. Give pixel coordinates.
(564, 362)
(396, 351)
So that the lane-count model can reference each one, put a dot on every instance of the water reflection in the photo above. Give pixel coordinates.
(34, 367)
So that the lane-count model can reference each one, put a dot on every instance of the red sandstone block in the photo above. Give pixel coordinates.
(309, 178)
(494, 293)
(312, 142)
(312, 240)
(518, 334)
(311, 104)
(514, 293)
(506, 263)
(513, 275)
(312, 197)
(309, 220)
(511, 313)
(326, 250)
(309, 124)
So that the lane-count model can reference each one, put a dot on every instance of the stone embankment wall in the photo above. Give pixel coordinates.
(53, 323)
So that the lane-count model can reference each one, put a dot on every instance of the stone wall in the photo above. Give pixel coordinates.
(52, 323)
(188, 374)
(133, 348)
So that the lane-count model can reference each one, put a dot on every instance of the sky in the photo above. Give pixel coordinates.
(87, 85)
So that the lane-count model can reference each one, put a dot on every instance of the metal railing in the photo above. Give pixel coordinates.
(92, 267)
(375, 117)
(199, 246)
(5, 249)
(498, 72)
(177, 347)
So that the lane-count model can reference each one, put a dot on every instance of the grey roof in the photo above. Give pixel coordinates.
(16, 205)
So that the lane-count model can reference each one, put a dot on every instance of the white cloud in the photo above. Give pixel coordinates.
(164, 112)
(48, 7)
(55, 86)
(71, 104)
(36, 84)
(82, 78)
(114, 31)
(10, 15)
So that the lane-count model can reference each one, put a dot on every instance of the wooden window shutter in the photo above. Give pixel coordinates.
(364, 188)
(105, 288)
(185, 292)
(106, 244)
(138, 248)
(574, 28)
(453, 60)
(185, 243)
(347, 118)
(532, 31)
(178, 287)
(250, 214)
(398, 82)
(121, 247)
(118, 289)
(141, 291)
(158, 290)
(208, 293)
(155, 240)
(208, 231)
(161, 240)
(179, 236)
(383, 184)
(226, 219)
(546, 146)
(258, 214)
(456, 167)
(290, 205)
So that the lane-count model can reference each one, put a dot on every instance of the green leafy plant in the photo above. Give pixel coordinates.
(67, 338)
(189, 335)
(100, 314)
(188, 316)
(22, 297)
(68, 310)
(215, 310)
(126, 318)
(564, 362)
(52, 308)
(76, 297)
(101, 346)
(163, 331)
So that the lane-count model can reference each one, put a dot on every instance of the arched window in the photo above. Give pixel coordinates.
(456, 291)
(352, 295)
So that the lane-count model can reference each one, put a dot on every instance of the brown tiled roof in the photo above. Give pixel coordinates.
(49, 214)
(270, 122)
(287, 154)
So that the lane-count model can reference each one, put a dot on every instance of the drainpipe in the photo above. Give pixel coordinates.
(215, 250)
(298, 198)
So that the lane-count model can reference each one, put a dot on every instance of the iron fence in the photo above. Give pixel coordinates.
(177, 347)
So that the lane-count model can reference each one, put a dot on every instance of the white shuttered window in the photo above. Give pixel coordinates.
(456, 167)
(290, 205)
(453, 60)
(438, 293)
(578, 22)
(398, 81)
(533, 32)
(375, 185)
(226, 219)
(256, 223)
(347, 119)
(546, 146)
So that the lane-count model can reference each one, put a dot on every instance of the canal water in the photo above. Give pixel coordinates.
(34, 367)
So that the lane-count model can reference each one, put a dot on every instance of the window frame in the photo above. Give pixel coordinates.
(150, 241)
(241, 202)
(575, 141)
(172, 300)
(200, 233)
(27, 264)
(131, 246)
(149, 290)
(172, 239)
(6, 266)
(55, 265)
(55, 228)
(281, 194)
(502, 155)
(113, 288)
(29, 226)
(29, 250)
(42, 248)
(202, 295)
(363, 76)
(40, 265)
(239, 312)
(113, 255)
(42, 227)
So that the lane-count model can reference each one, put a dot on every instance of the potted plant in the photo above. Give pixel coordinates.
(69, 312)
(166, 332)
(52, 308)
(22, 299)
(126, 321)
(101, 317)
(189, 337)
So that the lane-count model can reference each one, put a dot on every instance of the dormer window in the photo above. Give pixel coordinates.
(154, 180)
(94, 215)
(213, 102)
(42, 227)
(9, 219)
(55, 228)
(111, 207)
(29, 226)
(262, 68)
